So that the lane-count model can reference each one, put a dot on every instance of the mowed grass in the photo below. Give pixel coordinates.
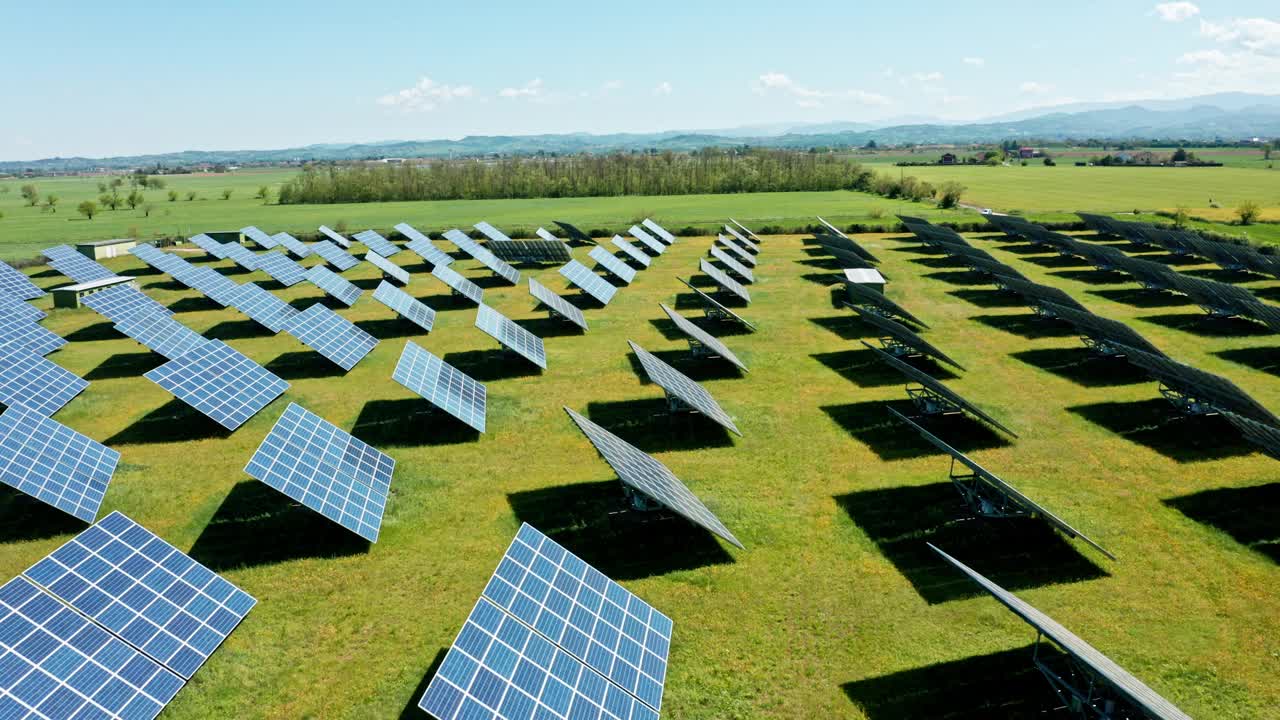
(835, 608)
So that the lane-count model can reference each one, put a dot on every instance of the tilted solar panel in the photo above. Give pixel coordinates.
(724, 281)
(30, 335)
(899, 339)
(511, 336)
(840, 233)
(679, 386)
(218, 287)
(411, 233)
(556, 304)
(120, 302)
(334, 255)
(715, 310)
(490, 231)
(547, 235)
(428, 251)
(14, 309)
(262, 307)
(879, 302)
(161, 333)
(295, 246)
(31, 380)
(458, 284)
(530, 251)
(282, 269)
(933, 396)
(377, 243)
(734, 266)
(486, 258)
(741, 238)
(264, 241)
(405, 305)
(740, 252)
(209, 245)
(845, 258)
(242, 256)
(632, 251)
(53, 463)
(389, 269)
(313, 462)
(331, 335)
(1199, 388)
(649, 241)
(337, 237)
(700, 341)
(574, 233)
(612, 265)
(658, 230)
(334, 285)
(589, 282)
(15, 283)
(1105, 335)
(145, 591)
(1038, 295)
(79, 268)
(442, 385)
(1264, 436)
(221, 383)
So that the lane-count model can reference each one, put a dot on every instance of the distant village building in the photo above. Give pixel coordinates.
(948, 159)
(102, 249)
(1028, 152)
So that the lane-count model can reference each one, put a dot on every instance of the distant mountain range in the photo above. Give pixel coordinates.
(1225, 116)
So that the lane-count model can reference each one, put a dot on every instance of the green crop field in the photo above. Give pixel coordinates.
(835, 609)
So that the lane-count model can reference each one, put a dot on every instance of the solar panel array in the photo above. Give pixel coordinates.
(615, 267)
(900, 336)
(589, 282)
(491, 232)
(220, 382)
(335, 256)
(936, 389)
(263, 240)
(734, 266)
(658, 230)
(531, 251)
(295, 246)
(282, 268)
(699, 337)
(575, 234)
(388, 268)
(28, 334)
(714, 309)
(442, 385)
(428, 251)
(1204, 387)
(1264, 436)
(11, 307)
(458, 284)
(742, 239)
(331, 335)
(1039, 296)
(315, 463)
(511, 336)
(1108, 336)
(162, 334)
(242, 256)
(338, 238)
(632, 251)
(486, 258)
(53, 463)
(215, 285)
(16, 284)
(120, 302)
(868, 298)
(262, 307)
(649, 241)
(79, 268)
(547, 235)
(334, 285)
(557, 304)
(411, 233)
(724, 281)
(684, 389)
(377, 243)
(405, 305)
(742, 255)
(29, 379)
(209, 245)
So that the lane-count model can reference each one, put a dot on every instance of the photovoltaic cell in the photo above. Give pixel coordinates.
(733, 247)
(428, 251)
(734, 266)
(724, 281)
(242, 256)
(28, 334)
(1202, 388)
(1105, 335)
(681, 387)
(263, 240)
(219, 382)
(316, 464)
(377, 243)
(16, 284)
(590, 283)
(79, 268)
(292, 244)
(334, 285)
(331, 335)
(405, 305)
(218, 287)
(491, 232)
(557, 304)
(53, 463)
(411, 233)
(486, 258)
(741, 238)
(868, 298)
(632, 251)
(1264, 436)
(649, 241)
(120, 302)
(615, 267)
(31, 380)
(11, 307)
(335, 256)
(531, 251)
(699, 338)
(145, 591)
(162, 334)
(282, 268)
(209, 245)
(337, 237)
(262, 307)
(440, 384)
(512, 336)
(660, 231)
(388, 268)
(547, 235)
(458, 284)
(715, 310)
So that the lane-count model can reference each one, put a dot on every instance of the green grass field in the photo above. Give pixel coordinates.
(834, 610)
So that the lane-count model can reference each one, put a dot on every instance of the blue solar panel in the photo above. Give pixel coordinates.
(28, 334)
(589, 282)
(29, 379)
(743, 256)
(512, 336)
(53, 463)
(331, 335)
(556, 304)
(334, 285)
(724, 281)
(145, 591)
(292, 244)
(162, 261)
(442, 385)
(632, 251)
(120, 302)
(314, 463)
(647, 240)
(491, 232)
(458, 284)
(610, 262)
(219, 382)
(388, 268)
(427, 250)
(12, 307)
(660, 231)
(77, 267)
(209, 245)
(263, 240)
(262, 307)
(162, 334)
(734, 266)
(486, 258)
(241, 256)
(15, 283)
(377, 243)
(335, 236)
(335, 256)
(57, 664)
(282, 269)
(216, 286)
(406, 305)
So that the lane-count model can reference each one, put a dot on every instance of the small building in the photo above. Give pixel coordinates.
(103, 249)
(866, 277)
(69, 296)
(948, 159)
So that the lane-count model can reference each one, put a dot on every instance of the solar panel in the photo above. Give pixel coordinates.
(932, 397)
(1104, 335)
(161, 333)
(209, 245)
(427, 250)
(31, 380)
(556, 305)
(214, 284)
(724, 281)
(53, 463)
(377, 243)
(292, 244)
(1218, 299)
(990, 496)
(876, 301)
(1196, 391)
(546, 234)
(486, 258)
(458, 284)
(263, 240)
(262, 307)
(1114, 675)
(242, 256)
(847, 259)
(335, 256)
(15, 283)
(442, 385)
(734, 266)
(282, 269)
(79, 268)
(219, 382)
(162, 261)
(682, 392)
(1264, 436)
(119, 302)
(612, 265)
(331, 335)
(715, 310)
(836, 231)
(645, 475)
(589, 282)
(28, 334)
(11, 307)
(334, 285)
(747, 243)
(338, 238)
(490, 231)
(647, 240)
(658, 230)
(742, 255)
(632, 251)
(702, 343)
(898, 339)
(511, 336)
(1039, 297)
(60, 665)
(389, 269)
(405, 305)
(575, 235)
(316, 464)
(144, 591)
(530, 251)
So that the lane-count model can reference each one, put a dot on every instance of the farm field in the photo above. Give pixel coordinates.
(835, 609)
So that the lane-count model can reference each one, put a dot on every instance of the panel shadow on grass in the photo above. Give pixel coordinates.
(1004, 685)
(989, 298)
(863, 367)
(126, 365)
(97, 331)
(24, 518)
(1094, 276)
(696, 369)
(647, 424)
(713, 327)
(445, 302)
(594, 522)
(409, 422)
(237, 330)
(870, 423)
(389, 329)
(550, 327)
(822, 263)
(194, 304)
(1015, 553)
(1246, 514)
(1027, 325)
(1156, 424)
(959, 277)
(1264, 359)
(303, 364)
(846, 327)
(171, 285)
(940, 261)
(1083, 367)
(1140, 298)
(411, 710)
(1058, 261)
(492, 364)
(257, 525)
(1198, 323)
(175, 421)
(823, 279)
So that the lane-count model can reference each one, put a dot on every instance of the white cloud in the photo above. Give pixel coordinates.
(531, 89)
(426, 95)
(807, 97)
(929, 77)
(1032, 87)
(1176, 11)
(663, 88)
(974, 61)
(1258, 35)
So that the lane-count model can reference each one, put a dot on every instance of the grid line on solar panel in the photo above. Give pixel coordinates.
(405, 305)
(658, 230)
(60, 665)
(145, 591)
(263, 240)
(580, 610)
(161, 333)
(589, 282)
(377, 243)
(647, 240)
(734, 266)
(748, 244)
(511, 336)
(334, 255)
(53, 463)
(331, 335)
(936, 388)
(736, 249)
(428, 251)
(482, 254)
(491, 232)
(315, 463)
(410, 232)
(698, 336)
(120, 302)
(262, 307)
(442, 385)
(31, 380)
(30, 335)
(632, 251)
(902, 335)
(334, 285)
(532, 251)
(12, 307)
(458, 283)
(388, 268)
(610, 262)
(219, 382)
(218, 287)
(714, 309)
(335, 236)
(557, 304)
(641, 472)
(282, 268)
(724, 281)
(209, 245)
(292, 244)
(683, 388)
(15, 283)
(242, 256)
(79, 268)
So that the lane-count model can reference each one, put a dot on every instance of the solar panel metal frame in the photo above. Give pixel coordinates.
(442, 385)
(282, 268)
(325, 469)
(683, 393)
(263, 307)
(263, 240)
(702, 343)
(556, 305)
(835, 230)
(658, 230)
(1195, 391)
(1103, 335)
(458, 284)
(584, 279)
(511, 336)
(737, 250)
(54, 464)
(388, 268)
(15, 283)
(899, 340)
(161, 334)
(647, 240)
(714, 310)
(337, 237)
(340, 259)
(876, 301)
(30, 335)
(334, 285)
(573, 232)
(292, 244)
(1265, 436)
(927, 397)
(484, 256)
(745, 229)
(745, 242)
(612, 265)
(343, 342)
(428, 251)
(119, 302)
(734, 266)
(405, 305)
(375, 242)
(530, 251)
(220, 382)
(724, 281)
(632, 251)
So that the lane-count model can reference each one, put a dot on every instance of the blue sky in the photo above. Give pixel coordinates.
(134, 77)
